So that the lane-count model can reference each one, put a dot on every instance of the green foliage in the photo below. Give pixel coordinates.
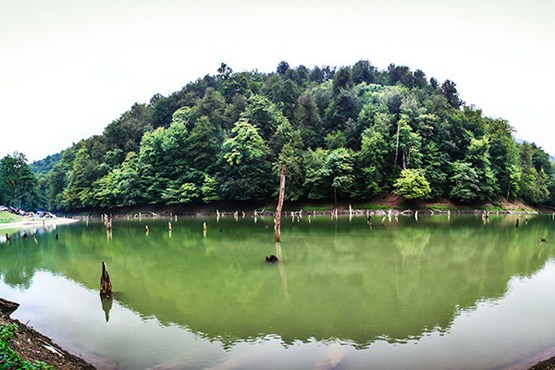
(294, 171)
(18, 184)
(245, 170)
(466, 184)
(411, 184)
(45, 165)
(225, 137)
(9, 359)
(209, 189)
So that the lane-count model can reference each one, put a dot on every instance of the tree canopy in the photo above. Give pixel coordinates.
(344, 133)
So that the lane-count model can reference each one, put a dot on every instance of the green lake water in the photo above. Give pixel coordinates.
(432, 293)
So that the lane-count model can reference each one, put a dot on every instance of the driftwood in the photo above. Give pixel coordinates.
(277, 217)
(7, 307)
(105, 283)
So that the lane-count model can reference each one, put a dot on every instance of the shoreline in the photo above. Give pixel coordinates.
(40, 222)
(386, 203)
(33, 346)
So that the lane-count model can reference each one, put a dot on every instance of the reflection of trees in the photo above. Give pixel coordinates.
(396, 281)
(18, 263)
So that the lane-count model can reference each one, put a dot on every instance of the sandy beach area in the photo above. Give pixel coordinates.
(38, 222)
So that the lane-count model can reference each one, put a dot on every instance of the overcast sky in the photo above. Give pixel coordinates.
(70, 67)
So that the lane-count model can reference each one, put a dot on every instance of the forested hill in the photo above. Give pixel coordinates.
(344, 133)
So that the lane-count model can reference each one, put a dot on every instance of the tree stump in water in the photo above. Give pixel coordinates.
(105, 283)
(7, 307)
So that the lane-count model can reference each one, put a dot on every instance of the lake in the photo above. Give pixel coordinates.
(434, 293)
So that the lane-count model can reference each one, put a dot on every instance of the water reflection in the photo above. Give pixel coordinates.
(107, 303)
(397, 282)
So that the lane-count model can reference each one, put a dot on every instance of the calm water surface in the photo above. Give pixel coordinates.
(429, 294)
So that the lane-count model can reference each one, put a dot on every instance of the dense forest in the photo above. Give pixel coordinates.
(344, 133)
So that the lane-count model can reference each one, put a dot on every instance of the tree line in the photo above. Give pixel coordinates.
(344, 133)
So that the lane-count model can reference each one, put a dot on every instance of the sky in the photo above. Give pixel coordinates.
(70, 67)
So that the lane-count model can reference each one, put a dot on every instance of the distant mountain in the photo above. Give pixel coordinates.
(44, 165)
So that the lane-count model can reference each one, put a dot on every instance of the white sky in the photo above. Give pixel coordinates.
(70, 67)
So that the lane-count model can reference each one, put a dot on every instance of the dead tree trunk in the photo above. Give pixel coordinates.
(397, 145)
(277, 217)
(105, 283)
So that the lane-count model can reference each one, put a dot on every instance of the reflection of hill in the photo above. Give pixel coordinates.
(345, 281)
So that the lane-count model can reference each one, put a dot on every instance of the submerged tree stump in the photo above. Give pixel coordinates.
(7, 307)
(105, 283)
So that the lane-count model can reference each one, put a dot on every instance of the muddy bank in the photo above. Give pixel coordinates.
(33, 346)
(545, 365)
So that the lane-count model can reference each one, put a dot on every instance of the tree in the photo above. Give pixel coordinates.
(371, 168)
(246, 171)
(307, 119)
(282, 67)
(264, 115)
(177, 193)
(121, 186)
(82, 174)
(504, 157)
(449, 91)
(224, 71)
(363, 71)
(17, 181)
(339, 168)
(408, 144)
(162, 158)
(317, 173)
(479, 158)
(202, 145)
(435, 163)
(342, 80)
(412, 184)
(291, 157)
(209, 189)
(465, 182)
(534, 183)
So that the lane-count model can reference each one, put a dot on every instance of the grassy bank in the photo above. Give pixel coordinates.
(7, 217)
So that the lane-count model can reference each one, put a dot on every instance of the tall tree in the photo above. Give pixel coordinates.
(246, 170)
(17, 181)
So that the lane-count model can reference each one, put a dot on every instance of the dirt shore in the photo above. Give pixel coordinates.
(545, 365)
(33, 346)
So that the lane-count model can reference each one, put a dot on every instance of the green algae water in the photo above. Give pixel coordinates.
(434, 293)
